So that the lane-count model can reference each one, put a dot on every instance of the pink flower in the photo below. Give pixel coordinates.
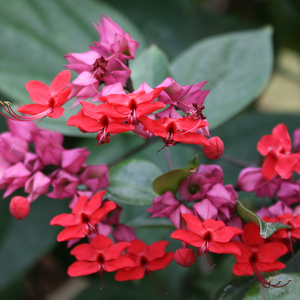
(194, 187)
(72, 160)
(95, 177)
(289, 192)
(113, 40)
(163, 205)
(37, 185)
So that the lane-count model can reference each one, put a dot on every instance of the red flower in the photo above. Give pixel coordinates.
(137, 104)
(85, 215)
(146, 259)
(103, 119)
(209, 236)
(257, 255)
(279, 161)
(175, 131)
(99, 256)
(48, 100)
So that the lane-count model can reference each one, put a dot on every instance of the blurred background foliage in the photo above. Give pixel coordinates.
(32, 264)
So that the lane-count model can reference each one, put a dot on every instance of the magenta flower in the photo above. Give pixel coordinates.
(72, 160)
(163, 205)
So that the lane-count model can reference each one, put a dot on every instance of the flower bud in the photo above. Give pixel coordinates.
(19, 207)
(185, 257)
(215, 148)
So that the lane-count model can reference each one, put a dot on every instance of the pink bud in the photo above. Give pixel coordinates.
(185, 257)
(19, 207)
(215, 148)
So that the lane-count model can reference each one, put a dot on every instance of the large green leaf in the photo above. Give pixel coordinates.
(36, 34)
(23, 242)
(236, 289)
(237, 66)
(151, 66)
(131, 182)
(289, 292)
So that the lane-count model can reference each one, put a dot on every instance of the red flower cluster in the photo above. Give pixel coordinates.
(279, 158)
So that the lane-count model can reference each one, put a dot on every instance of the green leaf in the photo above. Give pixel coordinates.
(289, 292)
(237, 65)
(131, 182)
(171, 180)
(34, 41)
(266, 228)
(236, 289)
(151, 66)
(26, 240)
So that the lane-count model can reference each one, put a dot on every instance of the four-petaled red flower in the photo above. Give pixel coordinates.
(137, 104)
(279, 161)
(174, 131)
(257, 255)
(85, 215)
(101, 255)
(48, 100)
(209, 236)
(103, 119)
(146, 259)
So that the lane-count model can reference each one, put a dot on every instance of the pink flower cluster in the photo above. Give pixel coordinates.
(39, 163)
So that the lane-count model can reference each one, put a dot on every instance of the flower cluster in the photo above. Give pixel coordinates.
(203, 209)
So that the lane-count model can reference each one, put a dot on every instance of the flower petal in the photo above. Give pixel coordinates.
(82, 268)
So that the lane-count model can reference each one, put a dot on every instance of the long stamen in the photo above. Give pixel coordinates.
(167, 292)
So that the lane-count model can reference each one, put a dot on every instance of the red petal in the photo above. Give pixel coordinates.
(245, 255)
(82, 268)
(98, 215)
(73, 232)
(19, 207)
(61, 80)
(93, 204)
(56, 113)
(84, 123)
(85, 252)
(62, 98)
(148, 108)
(117, 264)
(119, 127)
(101, 242)
(188, 237)
(268, 167)
(229, 248)
(156, 250)
(115, 250)
(268, 143)
(38, 92)
(190, 138)
(80, 204)
(131, 274)
(32, 109)
(251, 235)
(194, 224)
(154, 127)
(241, 269)
(285, 165)
(137, 246)
(282, 134)
(160, 263)
(225, 234)
(270, 252)
(267, 267)
(65, 220)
